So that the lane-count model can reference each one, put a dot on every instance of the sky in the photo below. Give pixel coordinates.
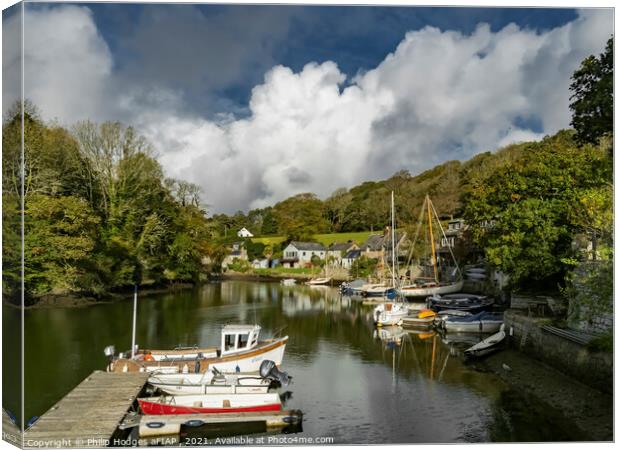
(258, 103)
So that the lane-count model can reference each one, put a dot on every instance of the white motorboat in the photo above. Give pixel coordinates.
(390, 313)
(240, 351)
(208, 383)
(288, 282)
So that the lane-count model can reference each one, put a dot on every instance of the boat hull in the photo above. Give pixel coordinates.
(195, 384)
(246, 361)
(211, 404)
(487, 346)
(417, 292)
(480, 326)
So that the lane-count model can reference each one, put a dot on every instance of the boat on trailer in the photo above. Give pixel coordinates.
(210, 404)
(488, 345)
(240, 351)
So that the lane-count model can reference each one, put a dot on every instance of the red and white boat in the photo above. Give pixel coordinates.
(210, 404)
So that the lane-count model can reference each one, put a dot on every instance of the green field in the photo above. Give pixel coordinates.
(358, 237)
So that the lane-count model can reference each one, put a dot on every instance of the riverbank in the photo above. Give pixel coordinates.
(589, 410)
(272, 276)
(82, 301)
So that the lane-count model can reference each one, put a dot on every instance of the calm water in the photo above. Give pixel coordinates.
(352, 384)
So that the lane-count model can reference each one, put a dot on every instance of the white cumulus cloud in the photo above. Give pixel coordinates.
(440, 95)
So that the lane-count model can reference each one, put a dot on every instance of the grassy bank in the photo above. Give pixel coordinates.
(359, 237)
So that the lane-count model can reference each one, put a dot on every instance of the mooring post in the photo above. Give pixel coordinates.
(133, 328)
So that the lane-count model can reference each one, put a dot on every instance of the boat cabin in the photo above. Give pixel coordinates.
(238, 338)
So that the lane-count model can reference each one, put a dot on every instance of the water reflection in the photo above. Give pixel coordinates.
(354, 383)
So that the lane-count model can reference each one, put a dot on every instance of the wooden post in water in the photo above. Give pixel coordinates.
(133, 328)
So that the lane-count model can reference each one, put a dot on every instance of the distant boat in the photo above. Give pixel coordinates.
(483, 322)
(488, 345)
(288, 282)
(424, 319)
(424, 287)
(240, 351)
(389, 313)
(210, 404)
(320, 281)
(354, 287)
(460, 302)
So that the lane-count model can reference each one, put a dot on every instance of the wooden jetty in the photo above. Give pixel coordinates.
(89, 415)
(171, 424)
(10, 431)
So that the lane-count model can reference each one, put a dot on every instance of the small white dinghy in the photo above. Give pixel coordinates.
(208, 383)
(488, 345)
(288, 282)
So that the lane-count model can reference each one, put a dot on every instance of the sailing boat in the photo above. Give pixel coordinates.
(425, 287)
(391, 313)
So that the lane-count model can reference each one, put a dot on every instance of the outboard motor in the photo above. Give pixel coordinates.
(269, 370)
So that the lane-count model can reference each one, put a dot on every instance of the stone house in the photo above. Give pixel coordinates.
(299, 254)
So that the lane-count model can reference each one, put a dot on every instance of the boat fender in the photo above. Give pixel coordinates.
(237, 369)
(197, 366)
(155, 424)
(194, 423)
(185, 369)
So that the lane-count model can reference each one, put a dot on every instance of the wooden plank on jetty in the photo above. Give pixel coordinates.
(90, 414)
(170, 424)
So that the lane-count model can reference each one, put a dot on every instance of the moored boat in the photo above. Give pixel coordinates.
(483, 322)
(288, 281)
(320, 281)
(428, 288)
(488, 345)
(240, 351)
(462, 302)
(210, 404)
(424, 319)
(390, 313)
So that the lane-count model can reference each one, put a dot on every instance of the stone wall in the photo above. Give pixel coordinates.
(590, 367)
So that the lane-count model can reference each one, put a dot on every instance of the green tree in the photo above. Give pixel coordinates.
(531, 201)
(593, 97)
(301, 216)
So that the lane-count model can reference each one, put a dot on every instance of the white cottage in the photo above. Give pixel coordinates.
(244, 233)
(299, 254)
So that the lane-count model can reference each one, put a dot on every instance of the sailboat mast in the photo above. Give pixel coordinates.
(430, 230)
(393, 246)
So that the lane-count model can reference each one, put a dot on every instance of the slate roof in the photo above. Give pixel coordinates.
(341, 247)
(353, 254)
(307, 246)
(376, 242)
